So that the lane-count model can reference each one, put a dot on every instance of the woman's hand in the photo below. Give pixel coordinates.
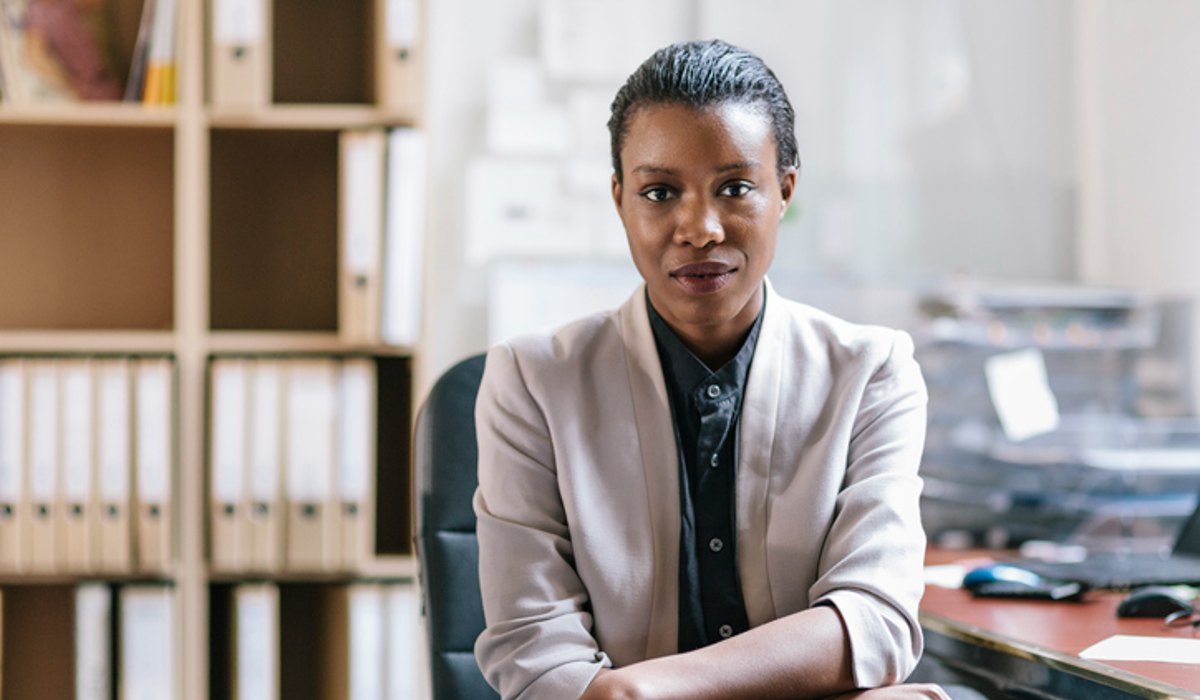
(906, 691)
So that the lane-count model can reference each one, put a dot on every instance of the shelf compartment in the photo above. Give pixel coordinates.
(38, 635)
(323, 52)
(87, 233)
(393, 449)
(274, 223)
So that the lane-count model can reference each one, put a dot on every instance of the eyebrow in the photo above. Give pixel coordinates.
(664, 170)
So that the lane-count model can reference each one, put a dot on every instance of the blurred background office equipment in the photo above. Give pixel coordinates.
(1118, 464)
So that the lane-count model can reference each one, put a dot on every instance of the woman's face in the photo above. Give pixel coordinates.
(701, 202)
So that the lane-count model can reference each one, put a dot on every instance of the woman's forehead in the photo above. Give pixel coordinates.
(663, 133)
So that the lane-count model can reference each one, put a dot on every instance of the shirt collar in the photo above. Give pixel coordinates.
(689, 372)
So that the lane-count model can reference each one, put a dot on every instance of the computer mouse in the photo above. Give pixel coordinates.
(992, 573)
(1153, 601)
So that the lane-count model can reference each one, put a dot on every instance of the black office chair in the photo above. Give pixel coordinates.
(444, 460)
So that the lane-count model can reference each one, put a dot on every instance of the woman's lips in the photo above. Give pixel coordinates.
(703, 278)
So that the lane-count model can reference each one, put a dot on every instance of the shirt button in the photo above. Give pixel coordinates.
(713, 391)
(714, 461)
(715, 544)
(725, 631)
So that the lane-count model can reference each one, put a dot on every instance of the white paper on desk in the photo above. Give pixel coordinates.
(1021, 393)
(1126, 647)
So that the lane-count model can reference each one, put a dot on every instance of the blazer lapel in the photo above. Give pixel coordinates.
(760, 407)
(660, 460)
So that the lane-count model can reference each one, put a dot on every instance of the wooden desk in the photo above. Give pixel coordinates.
(1031, 648)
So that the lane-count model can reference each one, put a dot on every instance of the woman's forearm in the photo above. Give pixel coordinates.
(804, 655)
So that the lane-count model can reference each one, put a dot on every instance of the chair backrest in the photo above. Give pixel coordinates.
(444, 458)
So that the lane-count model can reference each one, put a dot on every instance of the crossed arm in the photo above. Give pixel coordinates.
(803, 655)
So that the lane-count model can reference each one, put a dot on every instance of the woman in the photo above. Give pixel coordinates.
(711, 491)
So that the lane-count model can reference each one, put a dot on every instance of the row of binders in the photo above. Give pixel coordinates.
(378, 659)
(240, 54)
(382, 197)
(292, 464)
(54, 51)
(86, 455)
(123, 637)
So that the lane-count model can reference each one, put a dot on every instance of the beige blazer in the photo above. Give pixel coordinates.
(578, 499)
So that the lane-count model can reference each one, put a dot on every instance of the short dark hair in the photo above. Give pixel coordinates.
(701, 74)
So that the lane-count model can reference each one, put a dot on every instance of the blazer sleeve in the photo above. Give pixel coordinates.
(538, 641)
(872, 563)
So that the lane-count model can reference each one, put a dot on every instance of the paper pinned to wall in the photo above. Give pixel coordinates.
(515, 208)
(1021, 394)
(521, 117)
(595, 40)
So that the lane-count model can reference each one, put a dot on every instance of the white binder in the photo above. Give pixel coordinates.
(356, 462)
(403, 647)
(311, 451)
(265, 510)
(42, 536)
(114, 465)
(230, 401)
(240, 54)
(367, 641)
(404, 237)
(93, 645)
(154, 460)
(13, 504)
(361, 212)
(399, 55)
(147, 643)
(78, 464)
(256, 642)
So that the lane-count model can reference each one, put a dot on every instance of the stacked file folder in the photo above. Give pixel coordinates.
(293, 464)
(86, 462)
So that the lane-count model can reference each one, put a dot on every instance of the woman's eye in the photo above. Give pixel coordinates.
(736, 189)
(656, 194)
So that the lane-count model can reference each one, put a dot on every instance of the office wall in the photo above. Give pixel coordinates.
(1138, 103)
(1139, 67)
(937, 138)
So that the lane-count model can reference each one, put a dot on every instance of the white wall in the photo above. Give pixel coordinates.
(1138, 96)
(464, 35)
(1140, 111)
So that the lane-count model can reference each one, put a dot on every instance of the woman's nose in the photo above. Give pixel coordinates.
(699, 224)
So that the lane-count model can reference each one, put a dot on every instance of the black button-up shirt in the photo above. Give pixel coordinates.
(705, 406)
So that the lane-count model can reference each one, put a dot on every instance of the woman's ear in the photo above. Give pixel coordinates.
(787, 188)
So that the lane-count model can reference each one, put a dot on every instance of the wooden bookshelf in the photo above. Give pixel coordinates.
(196, 231)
